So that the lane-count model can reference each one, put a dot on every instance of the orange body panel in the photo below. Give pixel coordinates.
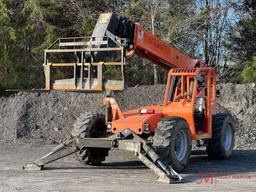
(185, 109)
(136, 122)
(147, 117)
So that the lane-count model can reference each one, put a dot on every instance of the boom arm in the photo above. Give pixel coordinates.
(146, 45)
(150, 47)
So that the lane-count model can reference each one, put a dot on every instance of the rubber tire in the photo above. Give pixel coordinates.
(90, 125)
(215, 146)
(164, 141)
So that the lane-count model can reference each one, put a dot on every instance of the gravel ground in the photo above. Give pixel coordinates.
(121, 172)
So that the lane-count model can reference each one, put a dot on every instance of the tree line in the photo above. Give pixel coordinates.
(220, 32)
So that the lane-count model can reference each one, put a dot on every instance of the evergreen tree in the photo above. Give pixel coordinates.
(242, 43)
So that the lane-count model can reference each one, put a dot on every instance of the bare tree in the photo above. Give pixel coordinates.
(153, 17)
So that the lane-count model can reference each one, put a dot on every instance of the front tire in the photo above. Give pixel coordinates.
(172, 142)
(222, 143)
(90, 125)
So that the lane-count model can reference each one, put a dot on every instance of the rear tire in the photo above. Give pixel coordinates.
(90, 125)
(172, 142)
(222, 143)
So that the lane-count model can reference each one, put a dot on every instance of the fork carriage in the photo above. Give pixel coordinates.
(84, 61)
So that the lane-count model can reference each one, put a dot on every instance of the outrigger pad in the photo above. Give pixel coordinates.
(167, 180)
(32, 167)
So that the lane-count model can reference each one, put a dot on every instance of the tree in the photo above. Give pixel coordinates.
(242, 42)
(7, 36)
(195, 27)
(249, 73)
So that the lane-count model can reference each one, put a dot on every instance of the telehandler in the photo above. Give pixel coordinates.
(159, 135)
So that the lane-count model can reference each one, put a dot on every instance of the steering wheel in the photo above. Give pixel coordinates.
(182, 97)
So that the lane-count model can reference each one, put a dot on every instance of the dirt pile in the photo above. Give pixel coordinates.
(49, 117)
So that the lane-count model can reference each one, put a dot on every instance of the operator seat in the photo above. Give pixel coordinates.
(200, 104)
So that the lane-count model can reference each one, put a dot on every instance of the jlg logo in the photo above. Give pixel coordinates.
(140, 34)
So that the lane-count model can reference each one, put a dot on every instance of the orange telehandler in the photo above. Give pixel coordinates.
(159, 135)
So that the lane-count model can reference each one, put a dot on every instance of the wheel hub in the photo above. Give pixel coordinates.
(181, 145)
(228, 138)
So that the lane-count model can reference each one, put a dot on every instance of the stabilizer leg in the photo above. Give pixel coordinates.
(60, 151)
(148, 156)
(169, 172)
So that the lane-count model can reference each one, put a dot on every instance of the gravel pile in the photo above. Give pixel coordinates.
(49, 117)
(240, 100)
